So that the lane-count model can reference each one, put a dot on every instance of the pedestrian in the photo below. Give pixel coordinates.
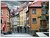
(18, 29)
(25, 28)
(21, 29)
(28, 28)
(4, 28)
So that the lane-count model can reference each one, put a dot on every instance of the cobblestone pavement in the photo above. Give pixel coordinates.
(17, 35)
(38, 34)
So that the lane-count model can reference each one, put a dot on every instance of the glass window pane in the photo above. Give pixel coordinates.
(34, 20)
(34, 11)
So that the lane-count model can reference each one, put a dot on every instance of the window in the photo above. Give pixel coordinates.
(43, 17)
(44, 11)
(34, 11)
(1, 20)
(1, 13)
(47, 12)
(43, 4)
(47, 17)
(1, 10)
(34, 20)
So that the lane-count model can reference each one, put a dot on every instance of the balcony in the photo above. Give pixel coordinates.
(44, 11)
(43, 17)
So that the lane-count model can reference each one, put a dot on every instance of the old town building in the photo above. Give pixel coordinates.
(35, 11)
(4, 17)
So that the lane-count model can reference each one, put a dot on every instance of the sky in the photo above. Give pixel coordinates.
(24, 0)
(17, 0)
(12, 4)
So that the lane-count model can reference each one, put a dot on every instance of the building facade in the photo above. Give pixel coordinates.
(18, 17)
(35, 13)
(4, 17)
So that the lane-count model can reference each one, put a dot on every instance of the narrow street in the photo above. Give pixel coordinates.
(17, 35)
(38, 34)
(25, 18)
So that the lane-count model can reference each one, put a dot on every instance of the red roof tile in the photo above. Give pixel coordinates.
(3, 4)
(36, 4)
(42, 0)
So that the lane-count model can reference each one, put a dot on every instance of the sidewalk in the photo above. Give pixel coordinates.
(38, 34)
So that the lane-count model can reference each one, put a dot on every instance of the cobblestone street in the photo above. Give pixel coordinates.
(17, 35)
(38, 34)
(25, 18)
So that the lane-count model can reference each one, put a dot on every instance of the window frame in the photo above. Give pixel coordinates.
(35, 21)
(44, 11)
(34, 11)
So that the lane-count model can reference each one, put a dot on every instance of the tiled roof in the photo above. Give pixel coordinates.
(3, 4)
(41, 0)
(36, 4)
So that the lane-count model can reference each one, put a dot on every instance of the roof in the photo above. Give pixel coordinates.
(41, 0)
(36, 4)
(3, 4)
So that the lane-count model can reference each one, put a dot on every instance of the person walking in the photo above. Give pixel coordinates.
(4, 28)
(18, 29)
(21, 29)
(25, 28)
